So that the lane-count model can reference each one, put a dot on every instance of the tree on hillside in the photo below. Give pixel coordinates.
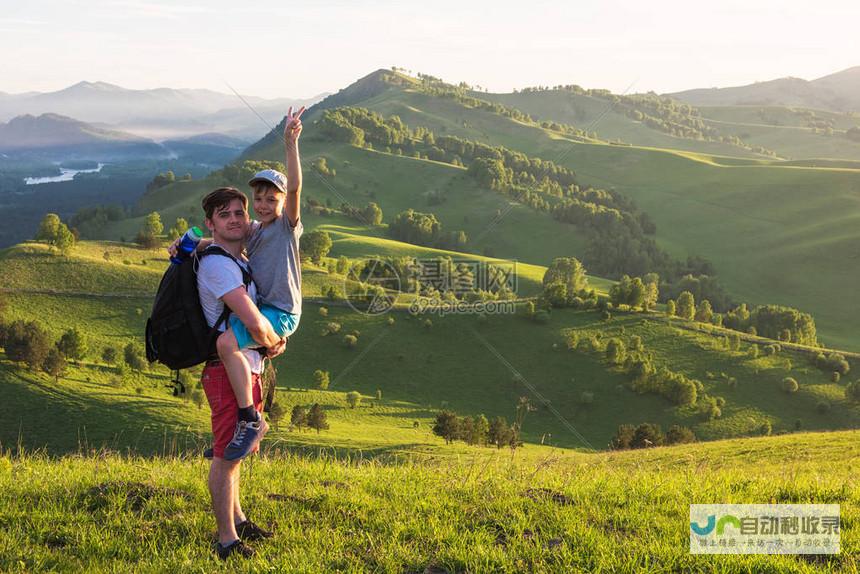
(499, 433)
(299, 416)
(321, 379)
(789, 385)
(353, 399)
(316, 245)
(55, 233)
(569, 271)
(73, 345)
(652, 291)
(317, 418)
(276, 413)
(616, 353)
(178, 229)
(480, 430)
(704, 313)
(109, 355)
(54, 364)
(27, 342)
(852, 392)
(132, 358)
(447, 426)
(686, 306)
(373, 214)
(150, 230)
(48, 228)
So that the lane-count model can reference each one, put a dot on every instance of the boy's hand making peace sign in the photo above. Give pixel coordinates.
(293, 126)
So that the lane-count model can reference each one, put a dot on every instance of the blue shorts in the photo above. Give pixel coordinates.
(283, 323)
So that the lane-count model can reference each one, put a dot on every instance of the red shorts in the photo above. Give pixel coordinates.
(222, 402)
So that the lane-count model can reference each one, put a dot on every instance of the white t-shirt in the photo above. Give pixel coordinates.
(217, 275)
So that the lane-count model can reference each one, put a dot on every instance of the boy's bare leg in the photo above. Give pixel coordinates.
(238, 369)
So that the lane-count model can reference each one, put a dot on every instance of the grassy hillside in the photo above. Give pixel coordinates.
(608, 121)
(419, 369)
(546, 510)
(775, 231)
(787, 131)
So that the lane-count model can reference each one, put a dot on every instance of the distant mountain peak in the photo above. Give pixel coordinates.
(100, 86)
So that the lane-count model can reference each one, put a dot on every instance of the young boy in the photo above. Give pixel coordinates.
(273, 253)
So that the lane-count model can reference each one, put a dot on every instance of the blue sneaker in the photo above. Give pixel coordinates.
(246, 437)
(208, 453)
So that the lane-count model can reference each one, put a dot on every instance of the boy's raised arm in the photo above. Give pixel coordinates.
(292, 130)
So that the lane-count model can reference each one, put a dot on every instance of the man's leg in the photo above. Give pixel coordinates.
(238, 515)
(224, 487)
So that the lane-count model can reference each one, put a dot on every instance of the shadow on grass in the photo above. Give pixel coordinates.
(39, 415)
(388, 454)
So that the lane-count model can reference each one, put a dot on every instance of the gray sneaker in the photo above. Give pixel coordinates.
(246, 437)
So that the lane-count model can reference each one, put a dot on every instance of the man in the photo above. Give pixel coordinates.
(220, 281)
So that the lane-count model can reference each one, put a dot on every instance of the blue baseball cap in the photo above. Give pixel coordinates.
(271, 176)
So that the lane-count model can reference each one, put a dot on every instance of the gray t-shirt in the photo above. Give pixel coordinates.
(217, 275)
(273, 252)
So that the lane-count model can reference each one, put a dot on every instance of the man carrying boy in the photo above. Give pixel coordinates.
(273, 252)
(221, 282)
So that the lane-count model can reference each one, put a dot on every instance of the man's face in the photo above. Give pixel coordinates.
(229, 223)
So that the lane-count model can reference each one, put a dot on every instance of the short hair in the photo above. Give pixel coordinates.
(222, 197)
(264, 186)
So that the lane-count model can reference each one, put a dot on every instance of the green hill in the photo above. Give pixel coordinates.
(581, 397)
(775, 231)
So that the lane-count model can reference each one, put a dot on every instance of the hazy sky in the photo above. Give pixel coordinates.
(286, 49)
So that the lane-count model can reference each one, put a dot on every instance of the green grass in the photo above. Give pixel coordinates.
(478, 512)
(596, 114)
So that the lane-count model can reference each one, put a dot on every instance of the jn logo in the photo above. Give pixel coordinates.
(712, 521)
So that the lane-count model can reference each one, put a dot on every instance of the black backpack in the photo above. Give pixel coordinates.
(177, 333)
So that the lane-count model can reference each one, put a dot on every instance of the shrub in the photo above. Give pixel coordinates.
(321, 379)
(353, 399)
(541, 317)
(679, 435)
(350, 341)
(789, 385)
(852, 392)
(823, 407)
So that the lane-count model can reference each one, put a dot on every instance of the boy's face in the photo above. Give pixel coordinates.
(268, 203)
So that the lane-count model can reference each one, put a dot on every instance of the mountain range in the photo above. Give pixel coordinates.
(838, 92)
(155, 113)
